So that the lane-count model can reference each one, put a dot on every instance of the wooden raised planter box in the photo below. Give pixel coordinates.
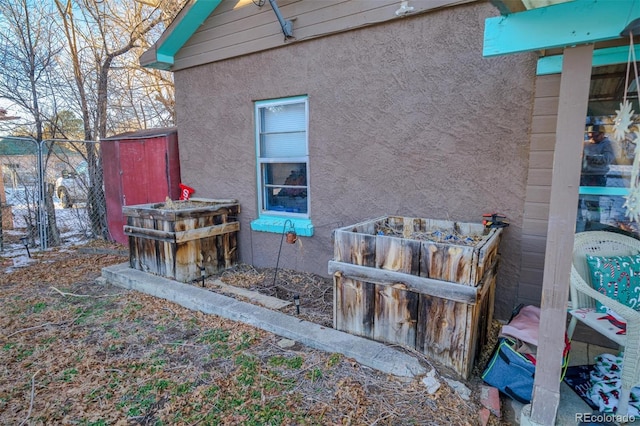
(175, 239)
(408, 281)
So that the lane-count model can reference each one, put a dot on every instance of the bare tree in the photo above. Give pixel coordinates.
(28, 50)
(80, 59)
(109, 32)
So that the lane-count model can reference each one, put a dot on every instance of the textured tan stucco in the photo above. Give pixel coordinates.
(406, 118)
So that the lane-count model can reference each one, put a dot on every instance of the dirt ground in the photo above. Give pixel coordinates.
(73, 351)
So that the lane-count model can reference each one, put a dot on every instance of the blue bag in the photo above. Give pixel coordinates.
(511, 372)
(513, 365)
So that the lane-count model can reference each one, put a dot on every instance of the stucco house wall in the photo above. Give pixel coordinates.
(405, 118)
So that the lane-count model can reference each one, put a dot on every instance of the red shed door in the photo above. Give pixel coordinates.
(113, 191)
(134, 173)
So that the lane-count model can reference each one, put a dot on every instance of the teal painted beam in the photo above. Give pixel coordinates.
(178, 34)
(558, 26)
(601, 57)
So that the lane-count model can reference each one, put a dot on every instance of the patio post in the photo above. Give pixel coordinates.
(572, 109)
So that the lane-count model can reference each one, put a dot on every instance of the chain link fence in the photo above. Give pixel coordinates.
(51, 193)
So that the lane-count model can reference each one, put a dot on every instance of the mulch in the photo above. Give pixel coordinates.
(66, 341)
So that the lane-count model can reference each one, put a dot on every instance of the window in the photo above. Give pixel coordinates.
(606, 162)
(282, 163)
(282, 156)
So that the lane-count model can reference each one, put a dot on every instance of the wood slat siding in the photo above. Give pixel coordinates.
(545, 106)
(544, 124)
(534, 244)
(539, 160)
(543, 141)
(539, 211)
(535, 227)
(533, 261)
(238, 28)
(531, 278)
(538, 192)
(539, 177)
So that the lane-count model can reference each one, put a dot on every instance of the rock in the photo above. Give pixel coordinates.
(286, 343)
(462, 390)
(431, 382)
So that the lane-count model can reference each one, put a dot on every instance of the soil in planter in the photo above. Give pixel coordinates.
(433, 235)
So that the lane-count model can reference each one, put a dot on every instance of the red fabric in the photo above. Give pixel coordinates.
(185, 191)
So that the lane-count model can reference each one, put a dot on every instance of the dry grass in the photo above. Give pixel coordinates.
(75, 352)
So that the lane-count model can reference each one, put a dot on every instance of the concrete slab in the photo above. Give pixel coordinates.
(570, 404)
(372, 354)
(253, 296)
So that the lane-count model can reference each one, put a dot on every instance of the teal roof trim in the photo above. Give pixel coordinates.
(608, 56)
(177, 35)
(557, 26)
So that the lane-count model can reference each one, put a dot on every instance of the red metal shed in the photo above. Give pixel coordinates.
(139, 167)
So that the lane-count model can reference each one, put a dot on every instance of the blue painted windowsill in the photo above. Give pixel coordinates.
(601, 190)
(275, 224)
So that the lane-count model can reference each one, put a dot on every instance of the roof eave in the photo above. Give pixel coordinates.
(161, 55)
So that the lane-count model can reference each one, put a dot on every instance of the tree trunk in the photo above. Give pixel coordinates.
(53, 235)
(96, 202)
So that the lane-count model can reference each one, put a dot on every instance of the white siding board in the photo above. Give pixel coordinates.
(533, 261)
(537, 211)
(531, 278)
(543, 142)
(534, 244)
(539, 177)
(545, 106)
(529, 294)
(548, 85)
(541, 160)
(538, 192)
(534, 227)
(544, 124)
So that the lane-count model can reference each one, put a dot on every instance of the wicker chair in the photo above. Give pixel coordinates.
(584, 297)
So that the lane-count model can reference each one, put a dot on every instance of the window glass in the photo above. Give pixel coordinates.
(286, 187)
(607, 161)
(283, 157)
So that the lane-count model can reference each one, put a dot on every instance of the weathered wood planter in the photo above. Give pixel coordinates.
(403, 281)
(177, 238)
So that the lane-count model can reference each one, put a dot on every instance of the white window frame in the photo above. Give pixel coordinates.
(262, 161)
